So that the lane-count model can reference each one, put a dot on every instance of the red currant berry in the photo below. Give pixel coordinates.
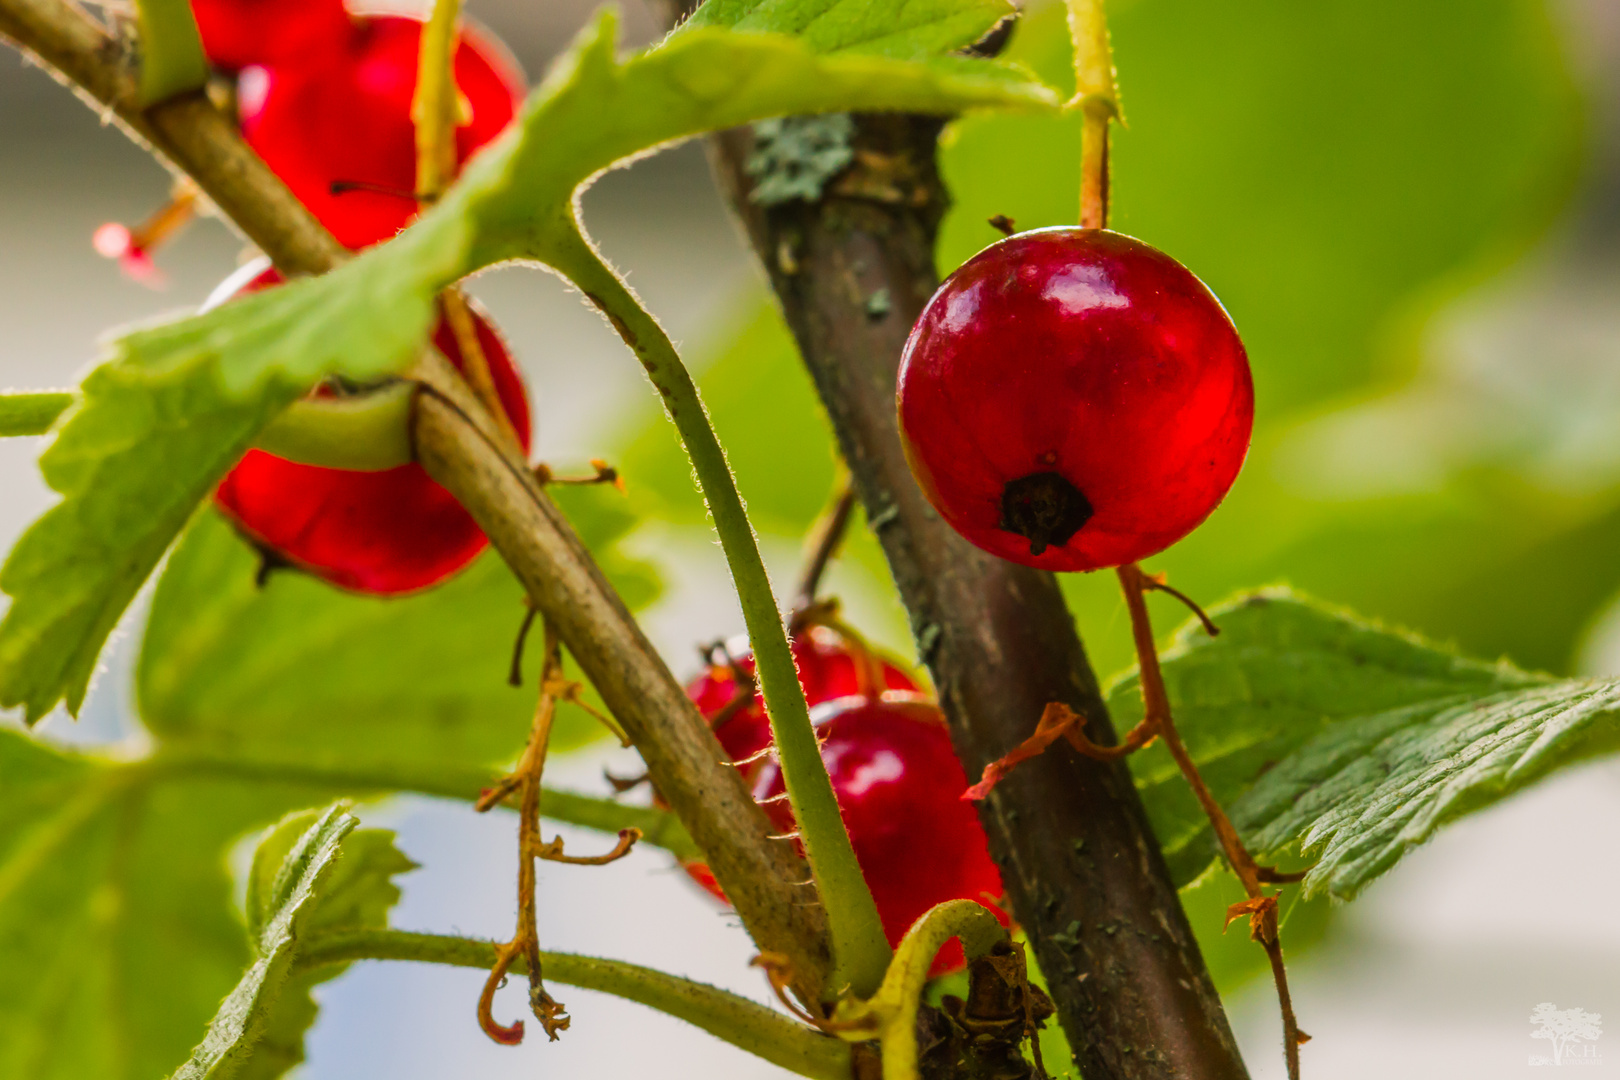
(899, 787)
(829, 667)
(346, 121)
(385, 533)
(1072, 399)
(238, 33)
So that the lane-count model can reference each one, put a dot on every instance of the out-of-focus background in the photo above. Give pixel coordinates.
(1413, 213)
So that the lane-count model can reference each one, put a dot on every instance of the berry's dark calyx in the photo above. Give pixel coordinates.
(1044, 508)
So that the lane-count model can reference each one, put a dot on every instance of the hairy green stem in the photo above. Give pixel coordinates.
(860, 949)
(659, 828)
(742, 1023)
(32, 413)
(892, 1012)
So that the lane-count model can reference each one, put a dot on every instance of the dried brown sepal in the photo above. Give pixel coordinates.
(552, 850)
(506, 1035)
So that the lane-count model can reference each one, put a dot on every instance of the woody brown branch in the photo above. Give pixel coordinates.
(458, 443)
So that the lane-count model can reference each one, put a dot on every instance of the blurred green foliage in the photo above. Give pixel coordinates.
(1340, 177)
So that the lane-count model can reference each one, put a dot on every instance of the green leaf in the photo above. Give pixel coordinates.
(246, 1013)
(299, 675)
(117, 938)
(178, 403)
(515, 200)
(132, 460)
(172, 60)
(910, 30)
(23, 413)
(357, 894)
(1334, 738)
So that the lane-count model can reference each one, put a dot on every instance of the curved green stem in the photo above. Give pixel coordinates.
(369, 431)
(747, 1025)
(1096, 95)
(32, 413)
(891, 1013)
(860, 949)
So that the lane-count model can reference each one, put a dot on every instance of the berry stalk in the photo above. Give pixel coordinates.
(860, 949)
(1096, 95)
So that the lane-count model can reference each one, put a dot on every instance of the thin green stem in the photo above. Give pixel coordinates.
(891, 1013)
(742, 1023)
(860, 949)
(658, 827)
(433, 107)
(1096, 95)
(32, 413)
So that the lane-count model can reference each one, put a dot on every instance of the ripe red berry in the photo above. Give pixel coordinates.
(346, 120)
(829, 667)
(385, 533)
(238, 33)
(899, 787)
(1072, 399)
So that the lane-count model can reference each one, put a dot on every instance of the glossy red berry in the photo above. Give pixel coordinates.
(384, 533)
(899, 787)
(1072, 399)
(829, 667)
(346, 121)
(239, 33)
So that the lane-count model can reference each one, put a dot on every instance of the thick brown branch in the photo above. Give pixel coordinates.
(1081, 866)
(457, 442)
(459, 447)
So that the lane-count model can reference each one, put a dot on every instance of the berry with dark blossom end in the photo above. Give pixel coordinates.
(1072, 399)
(339, 132)
(384, 533)
(829, 667)
(899, 787)
(239, 33)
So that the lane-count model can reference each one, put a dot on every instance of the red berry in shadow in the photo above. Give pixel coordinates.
(899, 787)
(345, 120)
(239, 33)
(385, 533)
(827, 663)
(1073, 399)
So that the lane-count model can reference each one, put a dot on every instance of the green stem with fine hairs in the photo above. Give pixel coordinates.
(742, 1023)
(860, 950)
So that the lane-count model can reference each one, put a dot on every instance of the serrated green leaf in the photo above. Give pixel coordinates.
(117, 939)
(246, 1014)
(24, 413)
(1349, 743)
(74, 572)
(907, 30)
(357, 894)
(132, 460)
(298, 675)
(515, 200)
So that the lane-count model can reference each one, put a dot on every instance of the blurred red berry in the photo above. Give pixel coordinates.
(346, 121)
(239, 33)
(827, 663)
(388, 532)
(899, 787)
(1072, 399)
